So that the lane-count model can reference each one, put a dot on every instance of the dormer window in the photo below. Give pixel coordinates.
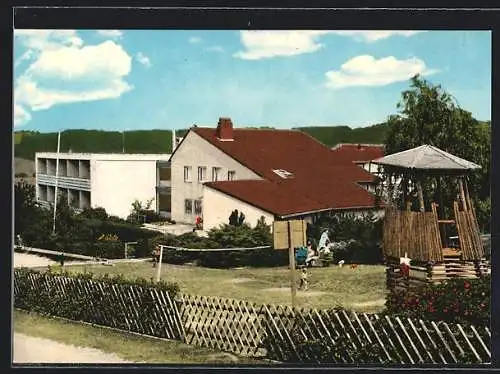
(283, 173)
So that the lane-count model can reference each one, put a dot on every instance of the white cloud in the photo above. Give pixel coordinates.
(65, 70)
(366, 70)
(268, 44)
(375, 35)
(215, 48)
(143, 59)
(110, 33)
(194, 40)
(38, 40)
(21, 115)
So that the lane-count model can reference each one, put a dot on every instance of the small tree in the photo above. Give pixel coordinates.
(141, 210)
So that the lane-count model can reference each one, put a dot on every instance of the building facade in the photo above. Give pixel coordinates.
(91, 180)
(194, 162)
(275, 174)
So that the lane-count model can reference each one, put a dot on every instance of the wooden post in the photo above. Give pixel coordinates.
(443, 228)
(420, 196)
(405, 191)
(291, 256)
(462, 193)
(467, 196)
(158, 275)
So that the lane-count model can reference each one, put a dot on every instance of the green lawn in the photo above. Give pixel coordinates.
(127, 346)
(361, 289)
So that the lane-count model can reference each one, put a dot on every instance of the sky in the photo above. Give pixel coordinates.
(171, 79)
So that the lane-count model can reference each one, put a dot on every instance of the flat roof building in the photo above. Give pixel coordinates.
(112, 181)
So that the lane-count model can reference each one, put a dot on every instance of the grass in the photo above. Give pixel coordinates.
(362, 289)
(129, 347)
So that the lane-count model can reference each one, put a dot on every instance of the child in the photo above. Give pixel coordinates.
(303, 279)
(156, 256)
(311, 255)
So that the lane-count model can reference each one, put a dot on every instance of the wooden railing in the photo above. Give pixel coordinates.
(250, 329)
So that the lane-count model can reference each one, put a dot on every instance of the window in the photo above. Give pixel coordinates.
(283, 173)
(197, 207)
(230, 175)
(202, 173)
(215, 174)
(188, 206)
(187, 173)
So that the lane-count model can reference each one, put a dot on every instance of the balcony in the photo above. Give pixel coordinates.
(64, 182)
(163, 189)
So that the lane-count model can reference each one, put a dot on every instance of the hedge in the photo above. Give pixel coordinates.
(321, 350)
(464, 301)
(93, 306)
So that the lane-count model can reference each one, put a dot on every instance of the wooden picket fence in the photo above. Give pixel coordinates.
(254, 330)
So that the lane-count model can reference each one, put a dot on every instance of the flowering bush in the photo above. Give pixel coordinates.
(465, 301)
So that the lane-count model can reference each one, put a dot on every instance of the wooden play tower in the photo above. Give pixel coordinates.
(422, 233)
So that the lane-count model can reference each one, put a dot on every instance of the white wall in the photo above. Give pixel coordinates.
(116, 184)
(195, 151)
(218, 207)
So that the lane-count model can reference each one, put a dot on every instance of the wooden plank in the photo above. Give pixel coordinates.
(398, 320)
(389, 322)
(379, 340)
(420, 340)
(277, 331)
(471, 347)
(443, 340)
(433, 343)
(480, 340)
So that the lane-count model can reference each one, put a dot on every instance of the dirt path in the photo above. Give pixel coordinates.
(29, 260)
(28, 349)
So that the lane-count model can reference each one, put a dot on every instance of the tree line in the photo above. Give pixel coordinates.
(160, 141)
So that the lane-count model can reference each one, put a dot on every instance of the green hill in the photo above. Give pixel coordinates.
(94, 141)
(160, 141)
(331, 136)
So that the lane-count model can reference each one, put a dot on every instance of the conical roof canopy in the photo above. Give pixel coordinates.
(427, 157)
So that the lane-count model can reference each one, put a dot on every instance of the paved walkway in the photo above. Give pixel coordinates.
(28, 349)
(33, 261)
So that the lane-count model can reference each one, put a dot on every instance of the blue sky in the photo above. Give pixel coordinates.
(165, 79)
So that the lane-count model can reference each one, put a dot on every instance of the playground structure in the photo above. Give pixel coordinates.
(421, 233)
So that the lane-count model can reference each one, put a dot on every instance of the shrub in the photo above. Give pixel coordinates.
(226, 236)
(363, 233)
(464, 301)
(304, 343)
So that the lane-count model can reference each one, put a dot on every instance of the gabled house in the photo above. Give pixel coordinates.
(361, 155)
(278, 174)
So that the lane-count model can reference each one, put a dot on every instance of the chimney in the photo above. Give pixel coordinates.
(224, 129)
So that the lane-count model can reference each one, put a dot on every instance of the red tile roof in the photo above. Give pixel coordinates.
(268, 196)
(320, 180)
(358, 152)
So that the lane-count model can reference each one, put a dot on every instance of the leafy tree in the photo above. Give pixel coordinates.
(25, 207)
(430, 115)
(30, 221)
(65, 224)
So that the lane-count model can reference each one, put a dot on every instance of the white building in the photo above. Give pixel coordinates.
(275, 174)
(109, 181)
